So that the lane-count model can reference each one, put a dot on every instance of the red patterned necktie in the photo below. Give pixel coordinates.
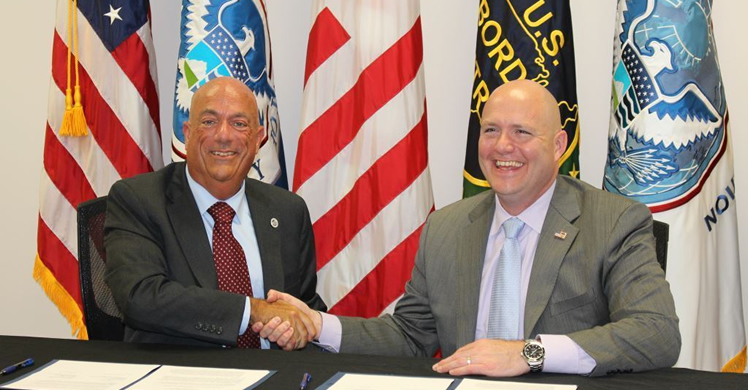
(231, 264)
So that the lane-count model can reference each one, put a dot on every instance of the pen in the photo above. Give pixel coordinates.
(305, 381)
(13, 368)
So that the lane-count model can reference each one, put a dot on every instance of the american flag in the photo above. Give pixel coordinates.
(362, 160)
(117, 77)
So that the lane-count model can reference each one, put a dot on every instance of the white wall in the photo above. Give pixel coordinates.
(449, 31)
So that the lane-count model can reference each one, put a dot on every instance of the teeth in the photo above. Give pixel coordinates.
(223, 154)
(508, 164)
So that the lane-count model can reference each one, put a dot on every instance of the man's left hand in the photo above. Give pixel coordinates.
(486, 357)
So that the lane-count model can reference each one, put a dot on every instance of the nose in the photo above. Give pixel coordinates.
(223, 131)
(504, 142)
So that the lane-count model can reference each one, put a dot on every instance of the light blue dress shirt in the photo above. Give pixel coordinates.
(563, 355)
(244, 232)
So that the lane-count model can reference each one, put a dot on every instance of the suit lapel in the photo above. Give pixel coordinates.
(189, 229)
(471, 250)
(550, 253)
(268, 237)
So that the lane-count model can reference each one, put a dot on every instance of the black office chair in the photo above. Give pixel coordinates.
(103, 317)
(662, 235)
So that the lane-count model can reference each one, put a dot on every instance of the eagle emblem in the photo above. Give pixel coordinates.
(668, 118)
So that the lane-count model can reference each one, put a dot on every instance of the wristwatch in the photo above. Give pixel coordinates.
(534, 355)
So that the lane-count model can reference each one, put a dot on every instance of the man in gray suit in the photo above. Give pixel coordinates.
(164, 245)
(543, 273)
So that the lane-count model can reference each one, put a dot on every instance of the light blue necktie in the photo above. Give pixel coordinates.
(503, 315)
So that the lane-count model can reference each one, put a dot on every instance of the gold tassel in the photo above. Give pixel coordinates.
(74, 120)
(79, 127)
(67, 118)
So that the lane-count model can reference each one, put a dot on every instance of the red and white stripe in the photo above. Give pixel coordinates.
(362, 160)
(120, 102)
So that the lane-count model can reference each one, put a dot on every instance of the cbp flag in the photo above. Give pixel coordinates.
(523, 39)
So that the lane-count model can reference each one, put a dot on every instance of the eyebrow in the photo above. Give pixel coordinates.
(209, 111)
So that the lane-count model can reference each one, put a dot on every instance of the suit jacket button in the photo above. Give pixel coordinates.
(199, 325)
(220, 330)
(212, 329)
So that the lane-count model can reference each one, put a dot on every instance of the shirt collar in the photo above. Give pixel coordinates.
(204, 199)
(533, 216)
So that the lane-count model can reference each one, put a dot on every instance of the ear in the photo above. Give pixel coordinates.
(186, 131)
(261, 134)
(559, 144)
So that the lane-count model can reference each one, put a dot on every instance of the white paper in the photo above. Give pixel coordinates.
(474, 384)
(78, 375)
(199, 378)
(389, 382)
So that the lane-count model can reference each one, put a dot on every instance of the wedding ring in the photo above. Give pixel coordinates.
(469, 361)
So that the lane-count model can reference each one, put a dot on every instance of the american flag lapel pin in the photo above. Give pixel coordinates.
(560, 235)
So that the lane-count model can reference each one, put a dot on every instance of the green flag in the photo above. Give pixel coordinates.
(523, 39)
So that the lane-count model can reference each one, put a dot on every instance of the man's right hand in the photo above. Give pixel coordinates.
(293, 327)
(281, 331)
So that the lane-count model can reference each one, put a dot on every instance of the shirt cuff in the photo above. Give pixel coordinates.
(245, 317)
(564, 356)
(331, 334)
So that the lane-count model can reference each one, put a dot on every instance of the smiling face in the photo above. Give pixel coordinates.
(222, 136)
(520, 143)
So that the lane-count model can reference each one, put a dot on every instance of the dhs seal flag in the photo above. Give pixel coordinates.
(667, 126)
(669, 147)
(229, 38)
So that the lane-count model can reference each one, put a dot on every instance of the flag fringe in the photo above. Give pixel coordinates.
(737, 363)
(60, 297)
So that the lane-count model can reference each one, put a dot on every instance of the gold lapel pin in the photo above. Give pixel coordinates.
(561, 235)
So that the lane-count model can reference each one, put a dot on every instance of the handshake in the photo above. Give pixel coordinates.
(285, 320)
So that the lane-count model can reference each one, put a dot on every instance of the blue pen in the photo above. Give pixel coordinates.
(305, 381)
(13, 368)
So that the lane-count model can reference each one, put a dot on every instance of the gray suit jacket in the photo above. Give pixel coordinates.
(160, 265)
(601, 285)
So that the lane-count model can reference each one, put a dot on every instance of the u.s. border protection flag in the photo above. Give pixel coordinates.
(362, 161)
(230, 38)
(523, 39)
(117, 78)
(670, 148)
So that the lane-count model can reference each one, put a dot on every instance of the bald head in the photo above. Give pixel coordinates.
(521, 143)
(224, 87)
(536, 98)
